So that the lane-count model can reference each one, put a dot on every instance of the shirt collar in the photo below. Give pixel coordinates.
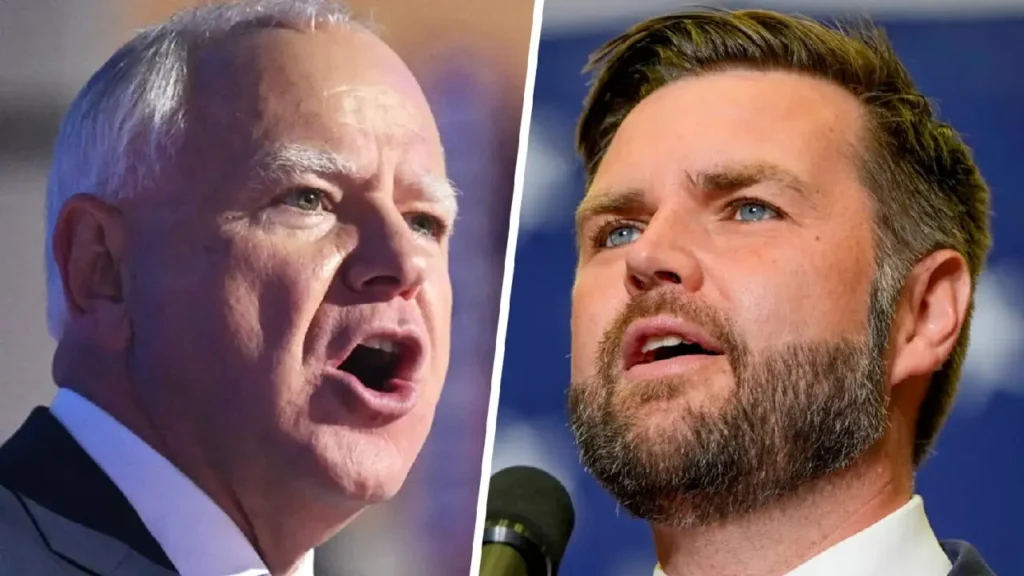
(901, 543)
(198, 537)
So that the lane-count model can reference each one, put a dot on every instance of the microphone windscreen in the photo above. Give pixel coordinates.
(538, 501)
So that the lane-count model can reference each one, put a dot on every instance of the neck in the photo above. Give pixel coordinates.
(777, 538)
(284, 534)
(282, 519)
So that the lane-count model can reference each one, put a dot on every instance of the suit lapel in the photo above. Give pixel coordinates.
(965, 559)
(43, 464)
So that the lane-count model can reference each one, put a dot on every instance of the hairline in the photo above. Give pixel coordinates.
(128, 119)
(894, 260)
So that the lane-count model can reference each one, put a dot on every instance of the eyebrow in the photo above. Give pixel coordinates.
(288, 159)
(718, 181)
(626, 201)
(733, 178)
(283, 160)
(439, 190)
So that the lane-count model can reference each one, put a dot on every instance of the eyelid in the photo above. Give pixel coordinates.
(445, 225)
(326, 192)
(431, 209)
(598, 235)
(734, 204)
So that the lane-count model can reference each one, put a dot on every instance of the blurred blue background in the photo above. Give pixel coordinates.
(965, 55)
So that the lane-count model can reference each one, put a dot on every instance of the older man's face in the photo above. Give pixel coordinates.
(289, 290)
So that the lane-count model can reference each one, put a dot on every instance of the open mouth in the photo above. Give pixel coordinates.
(660, 348)
(382, 363)
(661, 339)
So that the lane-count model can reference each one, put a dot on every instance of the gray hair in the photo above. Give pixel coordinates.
(136, 100)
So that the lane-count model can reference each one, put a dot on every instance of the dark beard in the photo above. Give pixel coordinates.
(796, 413)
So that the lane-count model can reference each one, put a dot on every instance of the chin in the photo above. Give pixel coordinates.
(361, 469)
(363, 489)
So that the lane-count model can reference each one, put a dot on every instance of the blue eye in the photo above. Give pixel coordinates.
(619, 236)
(754, 212)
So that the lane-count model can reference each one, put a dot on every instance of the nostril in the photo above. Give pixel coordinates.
(637, 282)
(642, 283)
(382, 281)
(670, 277)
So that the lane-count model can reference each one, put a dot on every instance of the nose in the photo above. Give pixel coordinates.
(660, 258)
(389, 261)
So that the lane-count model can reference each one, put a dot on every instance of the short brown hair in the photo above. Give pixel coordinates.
(927, 192)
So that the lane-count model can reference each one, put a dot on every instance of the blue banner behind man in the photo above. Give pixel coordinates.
(970, 484)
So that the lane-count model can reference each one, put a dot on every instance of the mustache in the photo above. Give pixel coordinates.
(668, 302)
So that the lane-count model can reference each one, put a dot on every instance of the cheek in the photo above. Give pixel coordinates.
(181, 298)
(409, 434)
(435, 303)
(597, 295)
(821, 294)
(272, 292)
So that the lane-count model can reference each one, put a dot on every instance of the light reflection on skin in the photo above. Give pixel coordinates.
(203, 313)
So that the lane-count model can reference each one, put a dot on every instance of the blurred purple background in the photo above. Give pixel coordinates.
(470, 56)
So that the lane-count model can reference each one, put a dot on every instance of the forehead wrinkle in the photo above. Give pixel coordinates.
(379, 110)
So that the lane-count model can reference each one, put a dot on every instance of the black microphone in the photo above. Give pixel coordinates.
(528, 524)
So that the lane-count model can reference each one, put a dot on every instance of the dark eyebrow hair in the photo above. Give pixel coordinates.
(734, 177)
(611, 202)
(722, 180)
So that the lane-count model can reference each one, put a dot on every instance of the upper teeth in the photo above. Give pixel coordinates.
(383, 344)
(661, 342)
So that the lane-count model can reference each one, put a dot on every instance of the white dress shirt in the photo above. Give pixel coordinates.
(902, 543)
(197, 536)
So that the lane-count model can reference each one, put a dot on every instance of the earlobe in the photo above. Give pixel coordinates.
(88, 246)
(937, 297)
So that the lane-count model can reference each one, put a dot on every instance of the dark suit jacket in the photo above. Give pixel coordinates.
(966, 560)
(61, 515)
